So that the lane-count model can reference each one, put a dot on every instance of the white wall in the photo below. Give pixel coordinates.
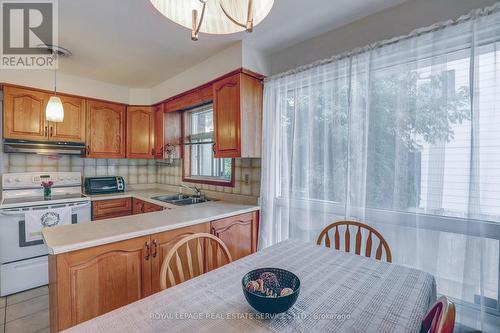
(44, 79)
(396, 21)
(236, 56)
(217, 65)
(256, 60)
(393, 22)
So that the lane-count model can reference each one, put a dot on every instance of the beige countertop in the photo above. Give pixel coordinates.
(68, 238)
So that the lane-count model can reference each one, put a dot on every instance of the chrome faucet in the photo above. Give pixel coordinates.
(192, 188)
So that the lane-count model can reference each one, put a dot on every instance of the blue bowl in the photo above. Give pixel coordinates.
(271, 305)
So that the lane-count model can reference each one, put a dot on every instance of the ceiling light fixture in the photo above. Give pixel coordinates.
(215, 16)
(54, 111)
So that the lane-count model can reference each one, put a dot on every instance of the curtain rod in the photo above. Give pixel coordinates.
(417, 32)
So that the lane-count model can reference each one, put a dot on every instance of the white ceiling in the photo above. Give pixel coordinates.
(129, 43)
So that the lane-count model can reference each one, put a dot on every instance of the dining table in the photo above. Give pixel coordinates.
(339, 292)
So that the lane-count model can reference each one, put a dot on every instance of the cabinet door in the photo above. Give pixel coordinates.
(149, 207)
(91, 282)
(105, 129)
(239, 233)
(137, 206)
(163, 242)
(24, 114)
(159, 131)
(72, 129)
(226, 93)
(140, 132)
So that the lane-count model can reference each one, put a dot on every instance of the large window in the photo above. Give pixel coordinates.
(200, 165)
(404, 137)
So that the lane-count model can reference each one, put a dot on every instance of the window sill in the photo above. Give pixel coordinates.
(216, 182)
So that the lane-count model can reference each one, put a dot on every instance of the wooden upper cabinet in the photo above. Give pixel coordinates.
(91, 282)
(238, 116)
(106, 127)
(227, 117)
(24, 114)
(191, 98)
(140, 132)
(159, 131)
(72, 129)
(239, 233)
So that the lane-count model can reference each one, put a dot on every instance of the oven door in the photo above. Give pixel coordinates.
(13, 245)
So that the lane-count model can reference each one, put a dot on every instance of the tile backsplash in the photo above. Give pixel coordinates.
(134, 171)
(246, 173)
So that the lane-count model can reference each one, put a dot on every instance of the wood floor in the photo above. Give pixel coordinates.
(25, 312)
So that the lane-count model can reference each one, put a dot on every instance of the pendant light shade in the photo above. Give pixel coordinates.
(54, 111)
(215, 16)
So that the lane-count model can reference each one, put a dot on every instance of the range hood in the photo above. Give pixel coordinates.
(43, 148)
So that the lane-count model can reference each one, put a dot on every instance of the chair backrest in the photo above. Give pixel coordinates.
(383, 246)
(440, 318)
(192, 256)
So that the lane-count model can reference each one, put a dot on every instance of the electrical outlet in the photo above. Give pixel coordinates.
(247, 179)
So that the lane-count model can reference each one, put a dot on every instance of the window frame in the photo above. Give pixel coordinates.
(186, 158)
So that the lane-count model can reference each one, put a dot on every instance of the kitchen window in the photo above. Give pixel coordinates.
(199, 163)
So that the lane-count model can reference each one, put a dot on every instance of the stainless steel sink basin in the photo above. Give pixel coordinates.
(168, 198)
(180, 199)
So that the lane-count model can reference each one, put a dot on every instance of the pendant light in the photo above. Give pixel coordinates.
(54, 111)
(215, 16)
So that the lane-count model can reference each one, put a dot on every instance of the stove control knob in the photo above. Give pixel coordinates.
(19, 179)
(75, 179)
(60, 179)
(10, 180)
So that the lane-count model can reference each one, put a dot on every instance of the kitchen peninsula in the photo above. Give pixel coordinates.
(100, 266)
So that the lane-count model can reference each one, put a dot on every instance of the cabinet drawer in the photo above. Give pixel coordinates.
(111, 208)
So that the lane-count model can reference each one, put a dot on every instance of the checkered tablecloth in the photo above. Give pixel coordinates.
(340, 292)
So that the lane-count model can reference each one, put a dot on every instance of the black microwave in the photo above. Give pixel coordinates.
(102, 185)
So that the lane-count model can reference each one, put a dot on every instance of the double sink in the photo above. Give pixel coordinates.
(181, 199)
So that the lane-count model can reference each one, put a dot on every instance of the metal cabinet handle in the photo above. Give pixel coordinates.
(51, 131)
(213, 148)
(147, 251)
(46, 131)
(155, 243)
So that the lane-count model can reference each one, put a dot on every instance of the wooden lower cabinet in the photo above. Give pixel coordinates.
(239, 233)
(163, 242)
(106, 209)
(90, 282)
(141, 207)
(87, 283)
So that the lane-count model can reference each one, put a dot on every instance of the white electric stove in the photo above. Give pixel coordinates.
(23, 213)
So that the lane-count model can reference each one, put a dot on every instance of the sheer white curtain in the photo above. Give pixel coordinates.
(403, 135)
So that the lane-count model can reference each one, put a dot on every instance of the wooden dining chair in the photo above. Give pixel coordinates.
(440, 318)
(192, 256)
(383, 246)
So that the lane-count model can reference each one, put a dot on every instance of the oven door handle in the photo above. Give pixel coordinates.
(80, 205)
(11, 212)
(20, 211)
